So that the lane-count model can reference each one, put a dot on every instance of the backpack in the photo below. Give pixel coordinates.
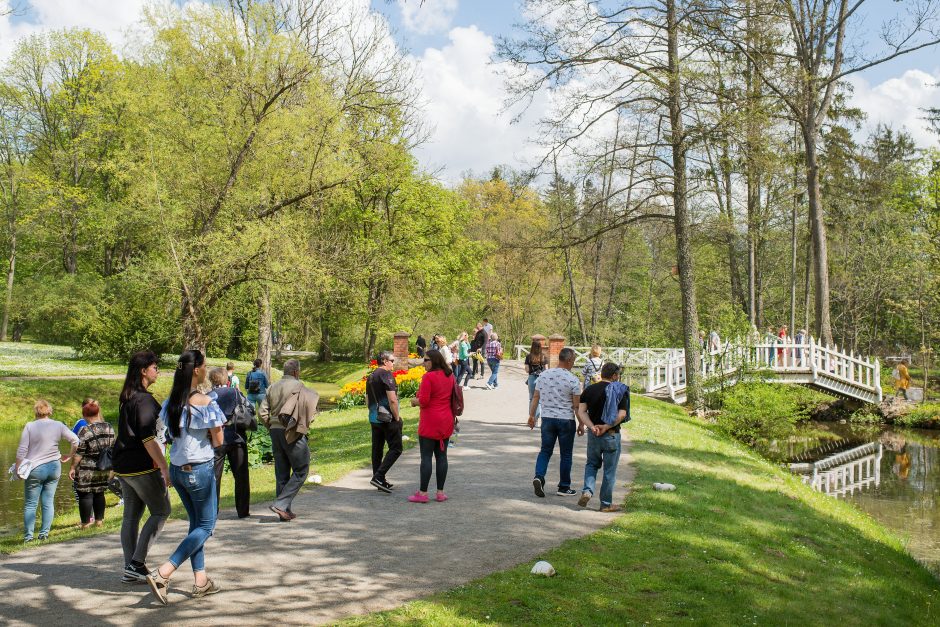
(244, 415)
(456, 400)
(254, 385)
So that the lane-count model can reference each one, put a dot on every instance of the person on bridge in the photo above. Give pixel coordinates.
(603, 407)
(902, 380)
(559, 392)
(591, 373)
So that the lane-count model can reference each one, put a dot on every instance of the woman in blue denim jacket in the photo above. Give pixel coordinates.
(194, 422)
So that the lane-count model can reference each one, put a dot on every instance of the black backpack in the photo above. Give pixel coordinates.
(254, 384)
(244, 415)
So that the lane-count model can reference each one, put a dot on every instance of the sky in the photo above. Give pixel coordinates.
(452, 42)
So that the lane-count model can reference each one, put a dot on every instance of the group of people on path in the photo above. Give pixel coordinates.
(465, 356)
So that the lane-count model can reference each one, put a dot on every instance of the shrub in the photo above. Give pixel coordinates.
(755, 412)
(926, 416)
(259, 447)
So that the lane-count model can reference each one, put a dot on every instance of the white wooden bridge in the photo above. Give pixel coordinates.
(661, 372)
(844, 470)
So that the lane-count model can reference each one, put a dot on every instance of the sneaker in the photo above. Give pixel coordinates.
(206, 590)
(489, 387)
(417, 497)
(583, 501)
(538, 484)
(567, 492)
(441, 497)
(134, 574)
(158, 585)
(27, 539)
(43, 536)
(381, 484)
(611, 508)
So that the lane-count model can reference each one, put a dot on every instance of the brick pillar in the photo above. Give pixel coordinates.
(401, 350)
(555, 344)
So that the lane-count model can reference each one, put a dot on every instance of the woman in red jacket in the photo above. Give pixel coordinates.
(436, 422)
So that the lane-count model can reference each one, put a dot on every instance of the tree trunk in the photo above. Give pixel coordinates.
(793, 241)
(818, 230)
(192, 329)
(373, 306)
(574, 296)
(681, 220)
(11, 271)
(326, 348)
(264, 330)
(808, 283)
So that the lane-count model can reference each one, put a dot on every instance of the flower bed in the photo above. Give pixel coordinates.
(354, 393)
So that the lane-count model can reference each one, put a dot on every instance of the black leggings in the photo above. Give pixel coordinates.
(429, 447)
(89, 502)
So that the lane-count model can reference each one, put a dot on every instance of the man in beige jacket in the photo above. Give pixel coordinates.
(287, 411)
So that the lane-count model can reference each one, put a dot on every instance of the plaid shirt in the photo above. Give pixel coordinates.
(492, 348)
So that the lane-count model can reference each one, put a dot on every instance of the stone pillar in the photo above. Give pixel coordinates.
(555, 344)
(401, 350)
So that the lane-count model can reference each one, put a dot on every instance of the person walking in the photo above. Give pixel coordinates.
(902, 379)
(287, 412)
(476, 348)
(421, 346)
(602, 408)
(38, 451)
(234, 443)
(440, 344)
(195, 422)
(591, 372)
(488, 329)
(535, 364)
(384, 419)
(435, 424)
(139, 462)
(233, 380)
(559, 392)
(256, 384)
(90, 483)
(463, 359)
(494, 355)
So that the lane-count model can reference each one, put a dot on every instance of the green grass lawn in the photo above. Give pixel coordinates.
(740, 541)
(340, 442)
(22, 359)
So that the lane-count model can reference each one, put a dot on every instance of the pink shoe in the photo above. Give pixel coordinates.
(417, 497)
(441, 497)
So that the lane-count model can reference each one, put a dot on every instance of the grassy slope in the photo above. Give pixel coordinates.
(740, 541)
(340, 443)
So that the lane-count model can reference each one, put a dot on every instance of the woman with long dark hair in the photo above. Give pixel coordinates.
(435, 423)
(194, 422)
(535, 363)
(139, 462)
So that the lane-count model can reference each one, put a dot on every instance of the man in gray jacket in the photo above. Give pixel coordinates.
(291, 458)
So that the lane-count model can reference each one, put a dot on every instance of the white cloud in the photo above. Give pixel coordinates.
(464, 98)
(427, 16)
(899, 102)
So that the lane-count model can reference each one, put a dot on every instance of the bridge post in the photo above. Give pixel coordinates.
(812, 357)
(877, 376)
(556, 342)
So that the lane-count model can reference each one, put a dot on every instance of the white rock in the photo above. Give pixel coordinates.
(405, 438)
(317, 479)
(664, 487)
(543, 568)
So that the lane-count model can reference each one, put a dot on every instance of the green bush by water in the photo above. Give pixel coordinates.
(755, 412)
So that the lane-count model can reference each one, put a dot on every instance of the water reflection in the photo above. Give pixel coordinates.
(892, 474)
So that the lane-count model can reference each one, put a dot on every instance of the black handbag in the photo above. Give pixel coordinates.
(244, 415)
(104, 462)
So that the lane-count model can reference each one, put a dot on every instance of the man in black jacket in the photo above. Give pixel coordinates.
(479, 341)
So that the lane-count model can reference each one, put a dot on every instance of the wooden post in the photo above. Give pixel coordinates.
(400, 348)
(555, 344)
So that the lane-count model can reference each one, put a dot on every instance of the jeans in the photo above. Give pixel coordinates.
(385, 433)
(196, 488)
(493, 363)
(237, 453)
(291, 465)
(463, 370)
(603, 450)
(562, 430)
(466, 372)
(90, 506)
(139, 491)
(39, 487)
(255, 399)
(531, 383)
(431, 447)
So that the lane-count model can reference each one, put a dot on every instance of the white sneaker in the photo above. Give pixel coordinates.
(489, 387)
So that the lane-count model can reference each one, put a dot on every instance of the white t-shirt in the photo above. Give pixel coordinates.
(556, 387)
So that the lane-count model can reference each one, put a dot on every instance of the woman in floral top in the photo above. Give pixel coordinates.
(90, 483)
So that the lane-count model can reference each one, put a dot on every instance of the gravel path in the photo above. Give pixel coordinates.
(352, 550)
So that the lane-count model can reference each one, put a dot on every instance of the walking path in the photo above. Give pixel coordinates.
(352, 550)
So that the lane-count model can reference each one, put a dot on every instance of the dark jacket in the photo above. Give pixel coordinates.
(479, 341)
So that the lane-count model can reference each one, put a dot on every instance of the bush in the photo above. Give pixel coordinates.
(755, 412)
(926, 416)
(259, 447)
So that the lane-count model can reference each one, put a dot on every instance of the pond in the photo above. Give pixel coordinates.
(11, 492)
(892, 474)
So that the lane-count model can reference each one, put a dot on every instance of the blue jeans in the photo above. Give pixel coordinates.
(562, 430)
(462, 370)
(39, 486)
(531, 383)
(602, 450)
(197, 492)
(493, 363)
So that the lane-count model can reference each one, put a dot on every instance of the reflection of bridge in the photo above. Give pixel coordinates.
(824, 368)
(843, 471)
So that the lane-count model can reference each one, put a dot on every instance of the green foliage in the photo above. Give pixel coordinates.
(756, 412)
(923, 416)
(259, 447)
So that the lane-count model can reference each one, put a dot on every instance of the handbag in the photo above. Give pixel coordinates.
(244, 415)
(456, 400)
(383, 414)
(105, 462)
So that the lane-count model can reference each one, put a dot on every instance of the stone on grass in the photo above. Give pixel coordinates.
(405, 438)
(543, 568)
(664, 487)
(317, 479)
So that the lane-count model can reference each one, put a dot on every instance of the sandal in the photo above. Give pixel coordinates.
(158, 585)
(209, 588)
